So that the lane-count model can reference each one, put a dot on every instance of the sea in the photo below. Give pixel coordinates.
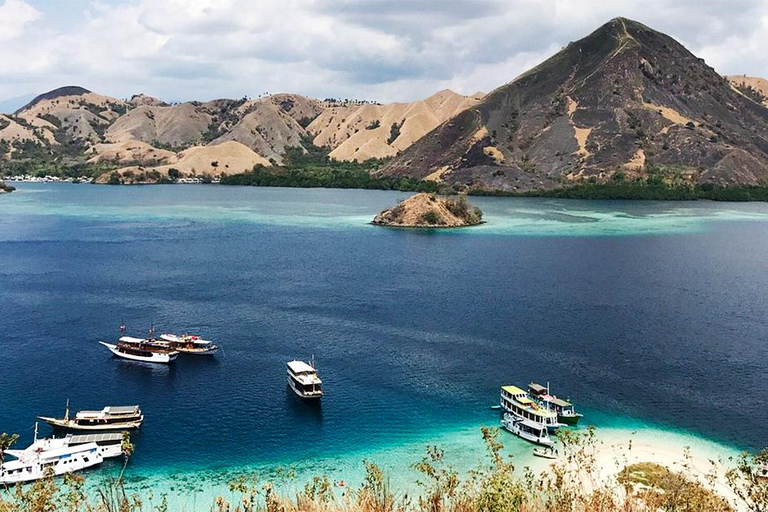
(651, 316)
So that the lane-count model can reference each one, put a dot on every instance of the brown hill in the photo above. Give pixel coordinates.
(753, 87)
(430, 211)
(361, 132)
(622, 103)
(221, 159)
(70, 114)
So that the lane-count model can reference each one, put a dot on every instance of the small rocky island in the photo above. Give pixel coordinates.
(5, 188)
(431, 211)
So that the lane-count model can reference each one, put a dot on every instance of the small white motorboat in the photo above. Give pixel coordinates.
(142, 352)
(548, 453)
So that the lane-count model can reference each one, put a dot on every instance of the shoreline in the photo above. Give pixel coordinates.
(615, 447)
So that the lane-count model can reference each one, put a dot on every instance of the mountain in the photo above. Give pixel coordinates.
(624, 103)
(361, 132)
(753, 87)
(10, 105)
(69, 114)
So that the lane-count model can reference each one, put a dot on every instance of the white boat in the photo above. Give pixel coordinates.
(519, 404)
(526, 429)
(190, 344)
(34, 464)
(548, 453)
(303, 380)
(109, 418)
(140, 351)
(109, 444)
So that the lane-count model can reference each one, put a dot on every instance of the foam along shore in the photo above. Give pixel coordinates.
(431, 211)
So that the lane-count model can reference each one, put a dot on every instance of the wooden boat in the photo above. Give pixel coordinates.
(529, 430)
(566, 413)
(189, 344)
(303, 380)
(140, 350)
(109, 418)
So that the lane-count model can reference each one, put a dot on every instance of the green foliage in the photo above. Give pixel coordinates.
(394, 131)
(310, 166)
(460, 207)
(432, 217)
(373, 125)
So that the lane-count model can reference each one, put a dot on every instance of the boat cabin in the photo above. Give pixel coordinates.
(303, 380)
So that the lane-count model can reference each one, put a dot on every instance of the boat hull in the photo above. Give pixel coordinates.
(62, 424)
(513, 427)
(570, 420)
(544, 454)
(153, 357)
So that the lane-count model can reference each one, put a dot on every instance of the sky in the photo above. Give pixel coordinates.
(384, 50)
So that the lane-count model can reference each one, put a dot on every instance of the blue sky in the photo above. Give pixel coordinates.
(388, 50)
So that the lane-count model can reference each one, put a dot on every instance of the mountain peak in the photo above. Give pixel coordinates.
(68, 90)
(623, 101)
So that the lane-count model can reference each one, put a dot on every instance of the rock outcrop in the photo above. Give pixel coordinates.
(431, 211)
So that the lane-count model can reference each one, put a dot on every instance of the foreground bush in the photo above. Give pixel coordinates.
(571, 485)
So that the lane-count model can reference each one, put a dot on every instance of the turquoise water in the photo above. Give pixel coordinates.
(650, 315)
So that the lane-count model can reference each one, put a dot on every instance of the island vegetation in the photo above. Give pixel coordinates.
(571, 484)
(313, 167)
(430, 211)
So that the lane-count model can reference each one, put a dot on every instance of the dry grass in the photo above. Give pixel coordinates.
(571, 485)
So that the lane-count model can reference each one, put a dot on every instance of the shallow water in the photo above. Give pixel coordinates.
(649, 312)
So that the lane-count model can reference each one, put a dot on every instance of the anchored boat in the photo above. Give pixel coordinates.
(138, 349)
(57, 461)
(566, 413)
(303, 380)
(531, 431)
(519, 404)
(190, 344)
(109, 418)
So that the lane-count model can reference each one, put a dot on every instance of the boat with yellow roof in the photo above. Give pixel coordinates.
(519, 404)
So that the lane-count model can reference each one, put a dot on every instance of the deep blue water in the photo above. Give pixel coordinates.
(412, 331)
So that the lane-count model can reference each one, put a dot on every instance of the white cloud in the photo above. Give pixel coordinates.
(15, 15)
(376, 49)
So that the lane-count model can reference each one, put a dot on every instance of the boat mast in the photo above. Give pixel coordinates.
(35, 432)
(66, 411)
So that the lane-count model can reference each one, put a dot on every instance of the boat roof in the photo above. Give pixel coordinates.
(532, 424)
(95, 438)
(300, 367)
(122, 409)
(112, 409)
(131, 339)
(513, 390)
(557, 401)
(537, 388)
(59, 452)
